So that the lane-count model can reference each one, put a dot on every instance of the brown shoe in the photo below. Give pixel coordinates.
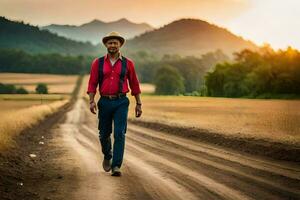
(106, 164)
(116, 171)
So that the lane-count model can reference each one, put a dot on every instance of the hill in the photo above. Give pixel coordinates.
(18, 35)
(189, 37)
(96, 29)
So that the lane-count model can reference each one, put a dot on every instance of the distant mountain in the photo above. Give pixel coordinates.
(96, 29)
(18, 35)
(189, 37)
(183, 37)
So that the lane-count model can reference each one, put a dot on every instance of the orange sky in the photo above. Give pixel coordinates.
(272, 21)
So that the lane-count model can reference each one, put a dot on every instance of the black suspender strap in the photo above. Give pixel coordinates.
(100, 70)
(122, 75)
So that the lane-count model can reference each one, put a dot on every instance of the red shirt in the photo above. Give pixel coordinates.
(111, 77)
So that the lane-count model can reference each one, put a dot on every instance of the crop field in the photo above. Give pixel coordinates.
(277, 120)
(19, 115)
(20, 111)
(13, 102)
(59, 84)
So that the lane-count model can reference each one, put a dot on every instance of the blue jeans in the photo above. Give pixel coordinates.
(116, 111)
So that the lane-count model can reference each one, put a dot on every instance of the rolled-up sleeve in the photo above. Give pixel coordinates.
(93, 81)
(133, 79)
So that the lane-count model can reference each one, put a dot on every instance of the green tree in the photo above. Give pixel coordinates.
(264, 73)
(168, 81)
(11, 89)
(21, 90)
(7, 89)
(41, 88)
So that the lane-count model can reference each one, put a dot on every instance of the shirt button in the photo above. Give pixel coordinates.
(111, 77)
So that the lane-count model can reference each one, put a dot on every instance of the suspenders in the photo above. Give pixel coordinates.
(122, 75)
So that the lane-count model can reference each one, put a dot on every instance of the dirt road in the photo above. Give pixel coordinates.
(161, 166)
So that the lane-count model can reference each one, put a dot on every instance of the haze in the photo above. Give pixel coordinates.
(262, 21)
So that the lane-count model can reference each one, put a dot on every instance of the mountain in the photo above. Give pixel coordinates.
(183, 37)
(96, 29)
(17, 35)
(189, 37)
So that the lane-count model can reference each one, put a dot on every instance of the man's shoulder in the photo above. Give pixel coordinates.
(129, 60)
(95, 60)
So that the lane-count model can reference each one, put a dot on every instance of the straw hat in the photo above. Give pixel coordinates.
(113, 35)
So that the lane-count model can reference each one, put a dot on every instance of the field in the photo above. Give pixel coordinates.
(20, 111)
(12, 102)
(273, 120)
(276, 120)
(57, 84)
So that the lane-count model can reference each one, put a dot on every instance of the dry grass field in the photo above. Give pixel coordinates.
(58, 84)
(20, 111)
(276, 120)
(12, 102)
(147, 88)
(19, 115)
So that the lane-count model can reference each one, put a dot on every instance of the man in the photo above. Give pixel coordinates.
(113, 72)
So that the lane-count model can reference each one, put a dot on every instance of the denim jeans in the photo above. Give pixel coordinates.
(113, 111)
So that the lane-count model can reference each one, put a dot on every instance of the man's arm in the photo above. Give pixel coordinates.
(138, 99)
(92, 85)
(138, 107)
(135, 89)
(93, 107)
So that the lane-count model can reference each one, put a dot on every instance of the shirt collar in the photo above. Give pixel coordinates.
(120, 56)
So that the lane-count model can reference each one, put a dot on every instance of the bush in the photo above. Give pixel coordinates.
(21, 90)
(11, 89)
(41, 88)
(168, 81)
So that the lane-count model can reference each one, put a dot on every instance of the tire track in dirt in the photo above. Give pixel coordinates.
(158, 165)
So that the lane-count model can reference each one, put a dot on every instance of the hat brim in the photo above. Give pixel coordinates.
(121, 39)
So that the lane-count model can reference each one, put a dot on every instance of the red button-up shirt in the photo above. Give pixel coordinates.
(111, 77)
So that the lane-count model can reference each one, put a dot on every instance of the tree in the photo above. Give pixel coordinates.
(21, 90)
(262, 73)
(7, 89)
(11, 89)
(41, 88)
(168, 81)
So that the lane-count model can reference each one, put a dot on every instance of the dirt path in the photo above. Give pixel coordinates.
(157, 165)
(161, 166)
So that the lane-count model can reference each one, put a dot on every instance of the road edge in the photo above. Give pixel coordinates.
(275, 150)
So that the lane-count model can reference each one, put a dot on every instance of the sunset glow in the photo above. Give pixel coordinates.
(262, 21)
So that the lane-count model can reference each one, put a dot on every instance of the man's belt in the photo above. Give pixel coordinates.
(114, 96)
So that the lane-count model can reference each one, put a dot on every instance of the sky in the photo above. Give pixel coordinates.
(261, 21)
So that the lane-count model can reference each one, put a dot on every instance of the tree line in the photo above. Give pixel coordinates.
(14, 60)
(173, 74)
(41, 88)
(264, 73)
(184, 74)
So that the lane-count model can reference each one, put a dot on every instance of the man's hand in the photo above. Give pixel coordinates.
(138, 110)
(93, 107)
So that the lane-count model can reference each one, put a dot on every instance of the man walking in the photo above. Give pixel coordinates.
(112, 72)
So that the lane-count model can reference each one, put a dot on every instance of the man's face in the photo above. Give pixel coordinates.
(113, 46)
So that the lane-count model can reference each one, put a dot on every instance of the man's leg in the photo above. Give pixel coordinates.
(120, 126)
(105, 127)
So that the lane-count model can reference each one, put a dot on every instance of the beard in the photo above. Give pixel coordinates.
(112, 50)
